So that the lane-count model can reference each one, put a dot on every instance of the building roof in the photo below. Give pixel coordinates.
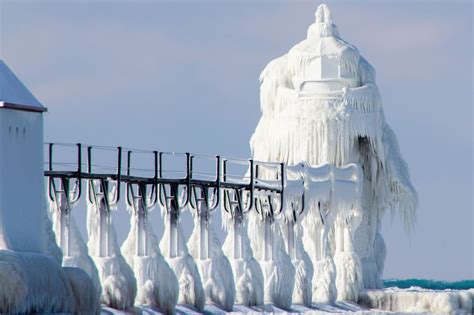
(14, 94)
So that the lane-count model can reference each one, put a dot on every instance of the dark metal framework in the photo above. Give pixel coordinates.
(236, 196)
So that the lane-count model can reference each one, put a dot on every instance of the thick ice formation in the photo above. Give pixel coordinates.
(418, 300)
(320, 104)
(27, 285)
(304, 271)
(248, 275)
(119, 287)
(31, 277)
(269, 250)
(74, 249)
(191, 291)
(213, 265)
(156, 282)
(292, 231)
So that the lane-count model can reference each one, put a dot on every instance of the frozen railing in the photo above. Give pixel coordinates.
(201, 183)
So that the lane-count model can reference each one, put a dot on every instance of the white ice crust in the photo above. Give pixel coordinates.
(321, 106)
(27, 285)
(156, 283)
(191, 291)
(418, 300)
(119, 286)
(215, 270)
(248, 275)
(78, 253)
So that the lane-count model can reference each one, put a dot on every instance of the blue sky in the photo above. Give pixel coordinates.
(183, 76)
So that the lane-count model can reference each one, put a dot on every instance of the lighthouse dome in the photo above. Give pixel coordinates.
(323, 62)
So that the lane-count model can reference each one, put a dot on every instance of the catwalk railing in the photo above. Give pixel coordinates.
(175, 181)
(275, 192)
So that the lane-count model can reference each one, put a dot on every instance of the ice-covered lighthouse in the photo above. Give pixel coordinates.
(320, 105)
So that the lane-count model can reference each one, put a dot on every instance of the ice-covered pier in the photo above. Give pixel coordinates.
(200, 270)
(301, 217)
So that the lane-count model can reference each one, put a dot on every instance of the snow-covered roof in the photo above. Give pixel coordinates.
(14, 94)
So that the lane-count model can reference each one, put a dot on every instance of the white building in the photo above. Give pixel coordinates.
(22, 195)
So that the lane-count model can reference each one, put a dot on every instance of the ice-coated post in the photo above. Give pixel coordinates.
(104, 226)
(347, 239)
(173, 236)
(268, 238)
(140, 216)
(290, 226)
(203, 213)
(322, 243)
(64, 214)
(317, 242)
(238, 230)
(339, 235)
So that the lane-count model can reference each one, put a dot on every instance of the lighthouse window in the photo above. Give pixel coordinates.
(329, 68)
(24, 132)
(323, 68)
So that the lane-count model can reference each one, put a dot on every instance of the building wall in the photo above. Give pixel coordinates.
(22, 195)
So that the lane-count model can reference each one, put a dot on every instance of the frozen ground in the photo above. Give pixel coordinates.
(339, 307)
(389, 301)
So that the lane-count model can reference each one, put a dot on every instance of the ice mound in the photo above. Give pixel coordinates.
(85, 292)
(248, 275)
(324, 279)
(348, 276)
(303, 290)
(278, 271)
(77, 249)
(33, 282)
(215, 271)
(418, 300)
(119, 287)
(157, 284)
(191, 291)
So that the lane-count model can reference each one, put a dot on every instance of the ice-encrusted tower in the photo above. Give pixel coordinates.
(320, 104)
